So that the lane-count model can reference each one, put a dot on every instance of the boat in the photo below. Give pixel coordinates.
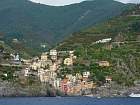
(98, 97)
(58, 97)
(90, 95)
(134, 95)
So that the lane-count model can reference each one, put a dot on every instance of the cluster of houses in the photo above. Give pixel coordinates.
(47, 67)
(49, 64)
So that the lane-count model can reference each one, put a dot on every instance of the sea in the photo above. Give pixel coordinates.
(68, 101)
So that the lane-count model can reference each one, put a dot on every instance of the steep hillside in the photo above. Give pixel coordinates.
(126, 25)
(36, 24)
(123, 51)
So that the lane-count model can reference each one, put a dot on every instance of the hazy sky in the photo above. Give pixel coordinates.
(67, 2)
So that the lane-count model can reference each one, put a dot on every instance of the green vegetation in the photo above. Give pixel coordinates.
(16, 48)
(8, 73)
(124, 57)
(35, 24)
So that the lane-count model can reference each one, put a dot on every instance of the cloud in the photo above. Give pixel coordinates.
(129, 1)
(57, 2)
(67, 2)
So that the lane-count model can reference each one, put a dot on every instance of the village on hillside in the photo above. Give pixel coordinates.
(64, 70)
(56, 69)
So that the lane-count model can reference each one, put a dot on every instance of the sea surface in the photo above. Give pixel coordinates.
(69, 101)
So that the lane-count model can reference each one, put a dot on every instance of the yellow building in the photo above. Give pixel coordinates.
(35, 65)
(68, 61)
(104, 64)
(44, 56)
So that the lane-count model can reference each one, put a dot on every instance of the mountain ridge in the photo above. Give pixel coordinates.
(32, 22)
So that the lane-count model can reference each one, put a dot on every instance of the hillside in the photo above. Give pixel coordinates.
(37, 24)
(123, 51)
(126, 25)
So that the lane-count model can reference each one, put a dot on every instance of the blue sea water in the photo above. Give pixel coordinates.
(69, 101)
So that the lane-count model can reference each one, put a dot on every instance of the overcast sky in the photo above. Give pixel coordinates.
(67, 2)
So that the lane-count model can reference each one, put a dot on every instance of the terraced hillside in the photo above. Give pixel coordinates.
(122, 52)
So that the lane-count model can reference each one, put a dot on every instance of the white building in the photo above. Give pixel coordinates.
(57, 83)
(71, 53)
(53, 54)
(104, 40)
(16, 57)
(15, 40)
(86, 74)
(42, 76)
(26, 72)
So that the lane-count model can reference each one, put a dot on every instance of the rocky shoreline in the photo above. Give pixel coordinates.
(114, 90)
(8, 89)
